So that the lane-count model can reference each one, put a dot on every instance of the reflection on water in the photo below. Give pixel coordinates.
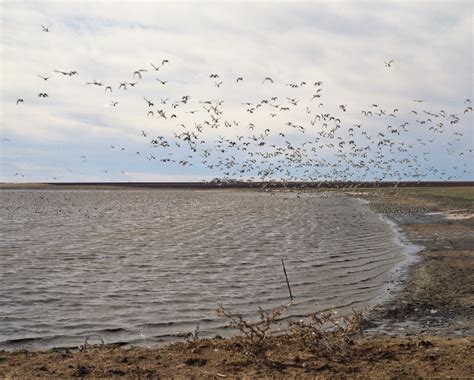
(141, 265)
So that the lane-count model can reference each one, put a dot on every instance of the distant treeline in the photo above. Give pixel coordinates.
(263, 185)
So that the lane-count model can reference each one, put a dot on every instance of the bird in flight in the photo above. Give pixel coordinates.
(95, 83)
(268, 79)
(163, 82)
(239, 78)
(44, 78)
(150, 103)
(139, 73)
(70, 73)
(389, 63)
(45, 29)
(19, 101)
(43, 95)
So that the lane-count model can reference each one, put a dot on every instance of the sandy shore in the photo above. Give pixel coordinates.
(424, 330)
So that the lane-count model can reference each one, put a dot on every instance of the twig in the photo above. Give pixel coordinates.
(287, 282)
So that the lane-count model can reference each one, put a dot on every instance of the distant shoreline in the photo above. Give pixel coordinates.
(277, 185)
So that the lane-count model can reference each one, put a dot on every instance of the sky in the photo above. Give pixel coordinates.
(364, 53)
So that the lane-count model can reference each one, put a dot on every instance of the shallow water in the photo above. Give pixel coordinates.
(140, 266)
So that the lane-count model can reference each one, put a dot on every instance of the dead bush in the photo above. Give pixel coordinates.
(327, 333)
(255, 334)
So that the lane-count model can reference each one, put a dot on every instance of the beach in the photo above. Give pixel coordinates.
(424, 329)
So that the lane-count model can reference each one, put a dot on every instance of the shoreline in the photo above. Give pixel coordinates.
(425, 328)
(435, 294)
(411, 255)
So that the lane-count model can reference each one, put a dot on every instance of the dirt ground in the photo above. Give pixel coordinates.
(425, 330)
(382, 357)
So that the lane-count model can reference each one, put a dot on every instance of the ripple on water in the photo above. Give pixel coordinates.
(140, 266)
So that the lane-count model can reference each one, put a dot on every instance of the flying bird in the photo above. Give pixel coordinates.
(389, 63)
(139, 73)
(150, 103)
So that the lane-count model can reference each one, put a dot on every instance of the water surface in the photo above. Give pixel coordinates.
(139, 266)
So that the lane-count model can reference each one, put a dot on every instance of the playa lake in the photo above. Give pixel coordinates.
(140, 266)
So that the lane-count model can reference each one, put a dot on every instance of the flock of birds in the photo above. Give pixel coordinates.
(320, 146)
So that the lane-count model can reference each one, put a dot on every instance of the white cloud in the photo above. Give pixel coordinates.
(343, 44)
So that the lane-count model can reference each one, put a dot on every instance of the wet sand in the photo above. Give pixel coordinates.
(437, 296)
(425, 330)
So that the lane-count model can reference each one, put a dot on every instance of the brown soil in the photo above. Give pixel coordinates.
(382, 357)
(426, 330)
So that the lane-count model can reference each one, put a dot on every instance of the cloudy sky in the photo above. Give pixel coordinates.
(76, 134)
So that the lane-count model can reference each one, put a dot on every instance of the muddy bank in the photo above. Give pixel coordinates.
(437, 296)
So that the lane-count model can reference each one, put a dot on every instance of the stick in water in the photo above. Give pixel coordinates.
(287, 282)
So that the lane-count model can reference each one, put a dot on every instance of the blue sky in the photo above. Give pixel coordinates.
(77, 135)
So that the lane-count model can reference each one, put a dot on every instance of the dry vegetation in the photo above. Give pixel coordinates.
(323, 333)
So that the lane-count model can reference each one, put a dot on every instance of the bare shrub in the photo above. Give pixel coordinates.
(255, 334)
(87, 345)
(327, 333)
(191, 336)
